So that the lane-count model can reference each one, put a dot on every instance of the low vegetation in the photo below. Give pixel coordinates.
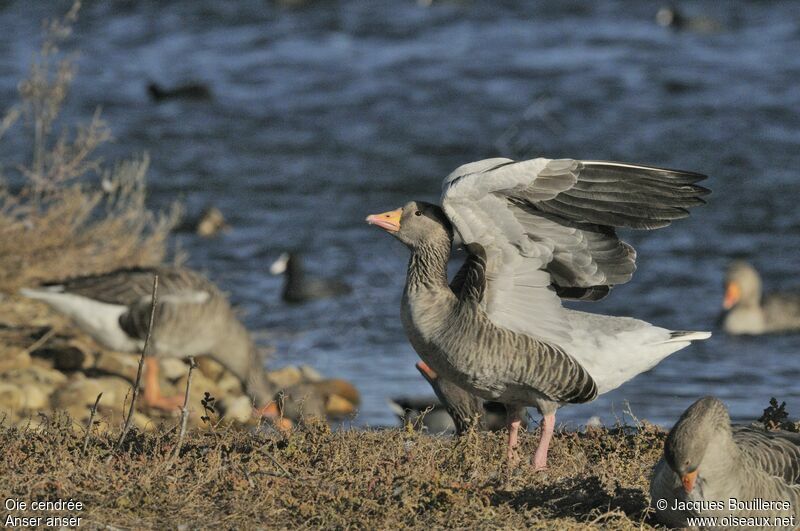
(317, 478)
(63, 212)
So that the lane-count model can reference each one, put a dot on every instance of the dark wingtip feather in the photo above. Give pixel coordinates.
(682, 176)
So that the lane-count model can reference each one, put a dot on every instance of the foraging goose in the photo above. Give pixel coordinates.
(299, 288)
(536, 231)
(708, 460)
(193, 317)
(189, 91)
(747, 312)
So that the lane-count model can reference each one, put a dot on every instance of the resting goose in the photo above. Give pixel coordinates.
(193, 318)
(747, 312)
(536, 231)
(708, 460)
(298, 287)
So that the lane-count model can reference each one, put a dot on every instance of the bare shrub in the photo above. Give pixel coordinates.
(71, 214)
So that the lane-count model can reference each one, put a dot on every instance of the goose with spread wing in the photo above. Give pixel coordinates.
(707, 461)
(536, 231)
(193, 317)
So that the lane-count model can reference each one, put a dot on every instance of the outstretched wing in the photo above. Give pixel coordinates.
(548, 229)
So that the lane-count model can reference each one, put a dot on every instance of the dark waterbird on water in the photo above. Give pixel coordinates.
(536, 231)
(189, 91)
(298, 287)
(708, 460)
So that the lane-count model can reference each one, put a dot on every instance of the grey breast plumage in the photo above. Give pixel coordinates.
(744, 463)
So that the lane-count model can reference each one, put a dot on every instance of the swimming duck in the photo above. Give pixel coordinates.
(189, 91)
(298, 287)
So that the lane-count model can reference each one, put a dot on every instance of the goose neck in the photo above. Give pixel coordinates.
(427, 267)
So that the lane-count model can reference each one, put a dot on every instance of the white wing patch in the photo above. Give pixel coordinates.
(518, 295)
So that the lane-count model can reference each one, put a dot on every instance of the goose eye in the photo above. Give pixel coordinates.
(417, 213)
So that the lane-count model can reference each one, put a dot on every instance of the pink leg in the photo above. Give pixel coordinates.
(540, 457)
(513, 422)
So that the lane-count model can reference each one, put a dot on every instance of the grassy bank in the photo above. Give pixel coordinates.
(315, 478)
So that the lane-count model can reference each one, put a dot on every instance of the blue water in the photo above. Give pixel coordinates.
(326, 113)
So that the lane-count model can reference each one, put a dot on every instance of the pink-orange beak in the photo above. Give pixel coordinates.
(732, 295)
(389, 221)
(428, 373)
(688, 480)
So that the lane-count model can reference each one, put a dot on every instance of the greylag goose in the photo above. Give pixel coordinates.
(189, 91)
(298, 287)
(536, 231)
(193, 318)
(707, 462)
(747, 312)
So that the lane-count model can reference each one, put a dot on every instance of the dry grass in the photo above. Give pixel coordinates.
(316, 478)
(70, 214)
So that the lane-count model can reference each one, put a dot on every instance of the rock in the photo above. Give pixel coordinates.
(35, 398)
(35, 375)
(11, 397)
(71, 354)
(211, 222)
(237, 409)
(201, 384)
(310, 374)
(118, 364)
(337, 386)
(336, 406)
(173, 368)
(70, 358)
(229, 384)
(82, 391)
(286, 376)
(210, 367)
(14, 358)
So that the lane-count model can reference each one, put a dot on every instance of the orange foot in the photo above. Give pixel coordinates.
(152, 391)
(272, 413)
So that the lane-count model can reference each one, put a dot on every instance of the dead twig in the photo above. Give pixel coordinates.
(184, 410)
(90, 424)
(276, 462)
(41, 341)
(129, 420)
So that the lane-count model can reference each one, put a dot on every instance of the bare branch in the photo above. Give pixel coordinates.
(131, 410)
(89, 425)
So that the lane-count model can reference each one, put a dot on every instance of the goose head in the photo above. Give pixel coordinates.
(742, 285)
(700, 425)
(416, 224)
